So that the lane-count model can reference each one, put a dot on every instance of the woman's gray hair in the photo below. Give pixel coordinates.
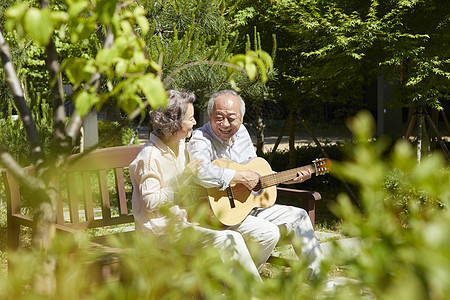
(167, 121)
(217, 94)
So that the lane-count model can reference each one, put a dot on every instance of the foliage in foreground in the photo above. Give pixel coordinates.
(402, 219)
(402, 223)
(153, 268)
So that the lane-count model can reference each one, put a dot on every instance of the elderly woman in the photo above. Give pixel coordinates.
(160, 168)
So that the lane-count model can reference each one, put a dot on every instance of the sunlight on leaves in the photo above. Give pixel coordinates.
(84, 101)
(38, 25)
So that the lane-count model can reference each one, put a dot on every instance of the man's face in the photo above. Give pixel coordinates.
(225, 117)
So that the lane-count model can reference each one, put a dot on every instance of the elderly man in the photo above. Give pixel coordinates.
(224, 136)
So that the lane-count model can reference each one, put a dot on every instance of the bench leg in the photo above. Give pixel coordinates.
(13, 236)
(13, 240)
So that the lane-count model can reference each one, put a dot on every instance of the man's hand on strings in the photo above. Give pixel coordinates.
(302, 176)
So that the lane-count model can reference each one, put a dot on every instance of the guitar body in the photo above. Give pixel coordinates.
(232, 206)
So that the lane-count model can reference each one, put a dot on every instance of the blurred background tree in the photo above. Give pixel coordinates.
(331, 52)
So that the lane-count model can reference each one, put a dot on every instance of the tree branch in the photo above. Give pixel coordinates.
(21, 105)
(57, 94)
(32, 183)
(76, 121)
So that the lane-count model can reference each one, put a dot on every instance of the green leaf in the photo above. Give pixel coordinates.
(39, 25)
(129, 103)
(262, 69)
(59, 18)
(81, 28)
(237, 60)
(143, 24)
(140, 62)
(155, 66)
(74, 69)
(250, 67)
(121, 67)
(76, 7)
(84, 101)
(153, 89)
(267, 59)
(105, 57)
(126, 27)
(14, 18)
(17, 11)
(105, 10)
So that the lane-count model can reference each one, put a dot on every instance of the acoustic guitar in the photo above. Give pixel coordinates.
(232, 205)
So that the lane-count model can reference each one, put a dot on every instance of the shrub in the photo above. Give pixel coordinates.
(13, 137)
(109, 136)
(402, 219)
(304, 156)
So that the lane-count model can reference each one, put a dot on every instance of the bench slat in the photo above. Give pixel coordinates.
(106, 206)
(121, 195)
(88, 207)
(107, 158)
(302, 194)
(59, 211)
(22, 220)
(73, 199)
(101, 222)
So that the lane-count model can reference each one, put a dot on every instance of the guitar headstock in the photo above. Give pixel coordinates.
(322, 165)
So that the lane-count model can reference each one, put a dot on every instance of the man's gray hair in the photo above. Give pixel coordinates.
(217, 94)
(167, 121)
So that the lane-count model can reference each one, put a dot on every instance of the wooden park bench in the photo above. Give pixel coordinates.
(104, 197)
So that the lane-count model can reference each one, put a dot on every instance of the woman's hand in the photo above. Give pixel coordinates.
(193, 167)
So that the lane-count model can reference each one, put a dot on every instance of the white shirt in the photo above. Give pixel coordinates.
(205, 145)
(153, 172)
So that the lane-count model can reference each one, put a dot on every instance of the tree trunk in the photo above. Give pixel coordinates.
(292, 160)
(259, 128)
(280, 136)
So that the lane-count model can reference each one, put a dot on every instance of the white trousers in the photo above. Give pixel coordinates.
(231, 246)
(263, 227)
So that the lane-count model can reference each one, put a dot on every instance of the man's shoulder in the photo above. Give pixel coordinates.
(242, 129)
(243, 133)
(201, 133)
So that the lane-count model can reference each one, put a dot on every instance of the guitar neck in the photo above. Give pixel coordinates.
(276, 178)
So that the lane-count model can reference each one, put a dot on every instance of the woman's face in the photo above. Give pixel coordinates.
(188, 122)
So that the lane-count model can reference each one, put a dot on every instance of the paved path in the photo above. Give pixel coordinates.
(326, 239)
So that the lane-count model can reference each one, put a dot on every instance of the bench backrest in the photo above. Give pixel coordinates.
(95, 189)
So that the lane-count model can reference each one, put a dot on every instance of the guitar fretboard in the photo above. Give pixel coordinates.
(276, 178)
